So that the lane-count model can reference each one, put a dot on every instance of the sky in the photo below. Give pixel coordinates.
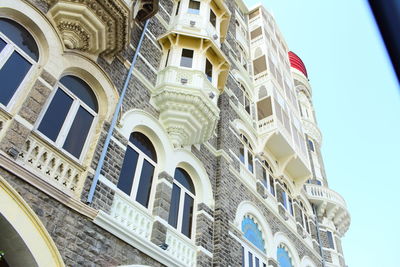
(357, 103)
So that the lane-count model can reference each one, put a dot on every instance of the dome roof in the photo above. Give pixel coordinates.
(297, 63)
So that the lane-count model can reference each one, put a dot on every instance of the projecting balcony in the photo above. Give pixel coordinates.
(187, 102)
(330, 205)
(209, 21)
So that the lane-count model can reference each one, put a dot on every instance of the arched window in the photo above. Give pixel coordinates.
(254, 254)
(283, 256)
(70, 115)
(18, 53)
(137, 172)
(182, 202)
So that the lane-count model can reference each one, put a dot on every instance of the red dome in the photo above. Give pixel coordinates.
(297, 63)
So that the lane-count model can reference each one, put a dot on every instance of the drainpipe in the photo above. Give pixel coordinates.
(115, 118)
(319, 238)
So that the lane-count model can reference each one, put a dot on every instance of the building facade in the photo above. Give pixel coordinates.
(159, 133)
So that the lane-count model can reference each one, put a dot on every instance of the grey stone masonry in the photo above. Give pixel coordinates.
(158, 233)
(14, 137)
(162, 200)
(79, 241)
(205, 228)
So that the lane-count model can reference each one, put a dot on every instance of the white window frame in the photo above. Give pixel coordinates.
(178, 228)
(5, 54)
(248, 247)
(246, 150)
(63, 133)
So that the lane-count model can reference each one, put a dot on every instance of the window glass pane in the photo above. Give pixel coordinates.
(187, 216)
(81, 89)
(78, 132)
(184, 179)
(213, 18)
(177, 8)
(11, 75)
(20, 36)
(55, 115)
(194, 7)
(271, 185)
(264, 108)
(255, 33)
(143, 144)
(128, 171)
(187, 58)
(257, 262)
(250, 259)
(291, 206)
(145, 182)
(241, 154)
(174, 208)
(250, 159)
(2, 44)
(284, 199)
(330, 240)
(247, 104)
(259, 65)
(209, 69)
(243, 263)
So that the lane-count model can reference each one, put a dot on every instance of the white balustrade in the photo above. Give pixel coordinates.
(324, 193)
(52, 165)
(180, 248)
(196, 24)
(127, 213)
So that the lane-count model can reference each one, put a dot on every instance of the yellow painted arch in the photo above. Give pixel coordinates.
(27, 224)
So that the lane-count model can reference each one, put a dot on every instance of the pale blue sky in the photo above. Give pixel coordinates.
(357, 102)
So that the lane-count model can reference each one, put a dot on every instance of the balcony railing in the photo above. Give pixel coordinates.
(180, 248)
(127, 213)
(322, 193)
(52, 166)
(196, 25)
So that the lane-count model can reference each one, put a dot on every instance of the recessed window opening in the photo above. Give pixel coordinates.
(330, 240)
(311, 145)
(138, 168)
(182, 203)
(70, 115)
(246, 154)
(178, 5)
(213, 18)
(18, 53)
(209, 70)
(246, 99)
(264, 108)
(187, 58)
(259, 65)
(255, 33)
(194, 7)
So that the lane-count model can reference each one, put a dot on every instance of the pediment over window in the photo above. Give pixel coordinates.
(94, 27)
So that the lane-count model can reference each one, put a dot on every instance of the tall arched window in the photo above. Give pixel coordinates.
(283, 256)
(137, 172)
(253, 251)
(70, 115)
(182, 202)
(18, 53)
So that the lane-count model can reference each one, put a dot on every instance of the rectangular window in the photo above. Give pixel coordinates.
(255, 33)
(213, 18)
(178, 5)
(259, 65)
(145, 182)
(209, 70)
(306, 223)
(330, 240)
(128, 170)
(271, 185)
(187, 58)
(187, 216)
(250, 161)
(241, 154)
(265, 178)
(257, 262)
(264, 108)
(290, 206)
(194, 7)
(247, 105)
(174, 207)
(250, 259)
(311, 145)
(284, 199)
(166, 60)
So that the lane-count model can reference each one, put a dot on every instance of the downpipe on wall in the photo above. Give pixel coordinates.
(115, 118)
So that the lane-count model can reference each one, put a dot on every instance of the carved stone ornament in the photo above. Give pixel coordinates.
(97, 27)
